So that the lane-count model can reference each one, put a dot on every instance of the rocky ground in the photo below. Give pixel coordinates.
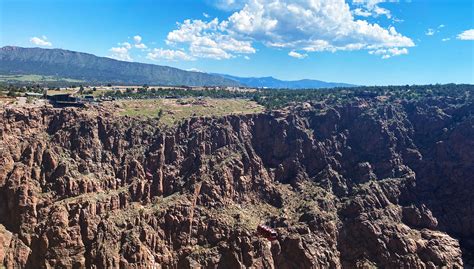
(366, 183)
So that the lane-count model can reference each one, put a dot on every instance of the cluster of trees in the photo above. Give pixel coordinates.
(280, 98)
(13, 90)
(18, 90)
(143, 93)
(21, 89)
(277, 98)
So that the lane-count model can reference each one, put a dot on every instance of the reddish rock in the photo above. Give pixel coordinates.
(362, 183)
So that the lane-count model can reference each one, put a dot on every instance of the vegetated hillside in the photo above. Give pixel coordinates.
(363, 182)
(93, 69)
(270, 82)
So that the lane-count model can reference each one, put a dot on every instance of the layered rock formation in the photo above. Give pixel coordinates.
(354, 185)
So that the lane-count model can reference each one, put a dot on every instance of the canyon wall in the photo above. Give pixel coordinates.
(352, 185)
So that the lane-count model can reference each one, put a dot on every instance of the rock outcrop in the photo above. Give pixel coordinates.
(355, 185)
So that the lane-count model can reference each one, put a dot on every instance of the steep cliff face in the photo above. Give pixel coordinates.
(364, 183)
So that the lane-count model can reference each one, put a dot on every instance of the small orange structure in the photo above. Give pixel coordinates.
(267, 232)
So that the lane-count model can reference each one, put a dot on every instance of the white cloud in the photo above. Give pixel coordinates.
(441, 26)
(466, 35)
(121, 53)
(388, 53)
(140, 46)
(372, 3)
(369, 8)
(206, 15)
(446, 39)
(209, 52)
(311, 25)
(207, 40)
(138, 42)
(297, 55)
(137, 39)
(430, 32)
(227, 5)
(362, 12)
(303, 25)
(125, 45)
(381, 11)
(168, 55)
(194, 70)
(41, 41)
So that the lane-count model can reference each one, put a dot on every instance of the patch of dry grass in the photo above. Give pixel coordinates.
(172, 111)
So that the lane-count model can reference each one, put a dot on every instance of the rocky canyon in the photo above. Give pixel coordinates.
(362, 183)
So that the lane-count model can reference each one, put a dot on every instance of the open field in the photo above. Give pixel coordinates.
(175, 110)
(34, 78)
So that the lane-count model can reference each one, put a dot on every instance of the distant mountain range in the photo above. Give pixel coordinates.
(271, 82)
(70, 65)
(93, 69)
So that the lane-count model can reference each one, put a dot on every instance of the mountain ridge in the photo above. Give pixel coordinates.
(95, 69)
(99, 70)
(271, 82)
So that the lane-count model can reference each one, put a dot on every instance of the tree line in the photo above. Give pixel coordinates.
(278, 98)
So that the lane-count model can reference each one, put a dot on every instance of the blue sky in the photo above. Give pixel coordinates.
(365, 42)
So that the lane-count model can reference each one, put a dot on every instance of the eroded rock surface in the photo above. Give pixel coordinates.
(360, 184)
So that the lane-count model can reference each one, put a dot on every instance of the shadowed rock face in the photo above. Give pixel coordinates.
(355, 185)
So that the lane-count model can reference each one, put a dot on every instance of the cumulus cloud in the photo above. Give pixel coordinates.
(311, 25)
(122, 52)
(388, 53)
(137, 39)
(466, 35)
(297, 55)
(41, 41)
(138, 42)
(126, 45)
(227, 5)
(208, 40)
(446, 39)
(362, 12)
(367, 8)
(168, 55)
(303, 25)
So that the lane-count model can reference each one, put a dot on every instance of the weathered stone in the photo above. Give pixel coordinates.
(360, 184)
